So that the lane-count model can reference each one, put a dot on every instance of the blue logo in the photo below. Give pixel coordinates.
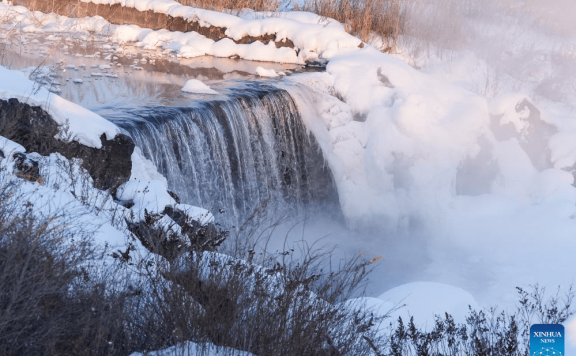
(547, 340)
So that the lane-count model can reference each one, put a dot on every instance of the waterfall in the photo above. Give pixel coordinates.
(235, 152)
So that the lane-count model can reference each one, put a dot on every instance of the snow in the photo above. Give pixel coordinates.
(197, 87)
(84, 126)
(147, 195)
(9, 147)
(195, 213)
(307, 31)
(398, 141)
(425, 300)
(144, 169)
(64, 193)
(266, 72)
(190, 348)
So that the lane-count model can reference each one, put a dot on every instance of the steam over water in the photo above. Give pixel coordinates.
(234, 153)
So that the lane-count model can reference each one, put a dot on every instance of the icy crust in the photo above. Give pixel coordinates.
(83, 125)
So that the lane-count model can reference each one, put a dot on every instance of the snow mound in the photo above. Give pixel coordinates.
(195, 213)
(147, 195)
(190, 348)
(266, 72)
(197, 87)
(424, 300)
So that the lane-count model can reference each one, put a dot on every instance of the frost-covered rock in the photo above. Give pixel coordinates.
(266, 72)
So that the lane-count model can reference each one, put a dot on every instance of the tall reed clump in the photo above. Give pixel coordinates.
(362, 17)
(234, 5)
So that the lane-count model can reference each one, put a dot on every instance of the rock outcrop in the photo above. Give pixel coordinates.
(33, 128)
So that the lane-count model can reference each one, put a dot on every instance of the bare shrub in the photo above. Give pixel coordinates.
(282, 305)
(50, 302)
(234, 6)
(485, 332)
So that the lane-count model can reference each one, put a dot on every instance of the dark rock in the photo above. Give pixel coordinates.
(157, 238)
(26, 168)
(201, 237)
(33, 128)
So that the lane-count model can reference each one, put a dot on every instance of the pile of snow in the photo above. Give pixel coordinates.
(197, 87)
(148, 190)
(190, 348)
(84, 126)
(425, 300)
(268, 72)
(9, 147)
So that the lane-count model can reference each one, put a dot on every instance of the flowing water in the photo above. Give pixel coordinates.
(236, 152)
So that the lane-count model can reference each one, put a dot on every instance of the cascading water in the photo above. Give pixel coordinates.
(237, 153)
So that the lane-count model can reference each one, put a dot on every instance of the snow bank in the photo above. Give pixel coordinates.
(84, 126)
(9, 147)
(307, 31)
(196, 86)
(312, 40)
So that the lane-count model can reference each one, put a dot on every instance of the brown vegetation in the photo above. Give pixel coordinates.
(362, 17)
(234, 5)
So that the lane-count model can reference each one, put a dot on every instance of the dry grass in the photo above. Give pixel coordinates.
(362, 17)
(233, 6)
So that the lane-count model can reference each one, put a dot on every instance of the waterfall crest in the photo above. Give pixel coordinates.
(234, 152)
